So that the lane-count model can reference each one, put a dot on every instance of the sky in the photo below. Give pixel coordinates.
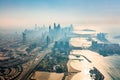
(21, 13)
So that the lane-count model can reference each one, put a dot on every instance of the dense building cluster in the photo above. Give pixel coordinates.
(56, 28)
(62, 47)
(30, 44)
(10, 73)
(34, 35)
(56, 61)
(105, 48)
(6, 54)
(102, 37)
(96, 74)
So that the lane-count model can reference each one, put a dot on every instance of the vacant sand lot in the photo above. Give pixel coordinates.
(38, 75)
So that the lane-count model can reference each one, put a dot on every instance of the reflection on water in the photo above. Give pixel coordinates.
(114, 62)
(109, 66)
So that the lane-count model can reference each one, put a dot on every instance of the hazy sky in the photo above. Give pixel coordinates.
(87, 12)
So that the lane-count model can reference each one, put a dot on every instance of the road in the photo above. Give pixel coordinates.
(35, 62)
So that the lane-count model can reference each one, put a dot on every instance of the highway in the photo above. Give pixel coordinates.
(35, 62)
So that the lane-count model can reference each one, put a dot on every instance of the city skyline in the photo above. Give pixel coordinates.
(59, 39)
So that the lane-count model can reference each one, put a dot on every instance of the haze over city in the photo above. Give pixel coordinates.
(59, 39)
